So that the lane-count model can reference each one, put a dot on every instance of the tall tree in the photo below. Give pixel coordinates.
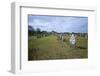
(31, 30)
(38, 31)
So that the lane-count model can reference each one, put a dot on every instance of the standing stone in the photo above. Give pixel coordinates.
(72, 40)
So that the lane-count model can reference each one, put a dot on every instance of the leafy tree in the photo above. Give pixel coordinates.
(31, 30)
(38, 31)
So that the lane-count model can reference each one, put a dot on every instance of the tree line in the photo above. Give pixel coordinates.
(38, 33)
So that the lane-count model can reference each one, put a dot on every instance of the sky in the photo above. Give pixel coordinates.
(59, 24)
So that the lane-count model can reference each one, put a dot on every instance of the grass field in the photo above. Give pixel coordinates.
(50, 47)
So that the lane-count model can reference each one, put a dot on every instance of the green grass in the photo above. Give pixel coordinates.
(50, 48)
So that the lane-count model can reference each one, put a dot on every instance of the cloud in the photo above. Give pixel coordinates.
(59, 24)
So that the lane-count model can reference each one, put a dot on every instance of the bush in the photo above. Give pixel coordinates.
(65, 40)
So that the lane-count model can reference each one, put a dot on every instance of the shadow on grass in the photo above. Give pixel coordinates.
(80, 47)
